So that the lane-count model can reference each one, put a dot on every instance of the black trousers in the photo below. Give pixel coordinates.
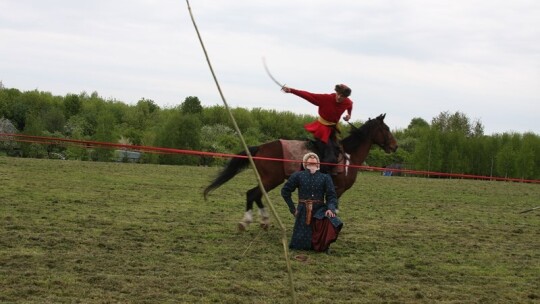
(328, 153)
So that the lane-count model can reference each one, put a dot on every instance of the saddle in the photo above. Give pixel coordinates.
(294, 151)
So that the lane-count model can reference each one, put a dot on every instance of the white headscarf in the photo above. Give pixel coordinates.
(311, 167)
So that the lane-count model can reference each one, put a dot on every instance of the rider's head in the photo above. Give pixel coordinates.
(342, 90)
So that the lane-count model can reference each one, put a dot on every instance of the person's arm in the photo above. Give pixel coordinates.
(311, 97)
(349, 113)
(286, 192)
(331, 195)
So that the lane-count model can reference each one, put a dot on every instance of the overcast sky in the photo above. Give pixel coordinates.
(404, 58)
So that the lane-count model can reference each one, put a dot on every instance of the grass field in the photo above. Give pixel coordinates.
(84, 232)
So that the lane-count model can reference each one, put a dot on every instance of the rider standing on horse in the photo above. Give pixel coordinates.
(331, 107)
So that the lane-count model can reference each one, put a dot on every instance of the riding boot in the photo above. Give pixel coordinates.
(330, 156)
(320, 148)
(326, 169)
(330, 153)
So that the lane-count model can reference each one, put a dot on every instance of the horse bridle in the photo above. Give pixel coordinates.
(386, 144)
(387, 141)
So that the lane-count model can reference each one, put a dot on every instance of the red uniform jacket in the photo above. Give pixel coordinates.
(329, 110)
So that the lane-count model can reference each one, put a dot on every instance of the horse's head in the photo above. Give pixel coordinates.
(382, 135)
(376, 131)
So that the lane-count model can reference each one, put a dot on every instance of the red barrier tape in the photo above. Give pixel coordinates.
(159, 150)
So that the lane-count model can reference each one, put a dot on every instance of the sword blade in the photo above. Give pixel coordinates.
(270, 74)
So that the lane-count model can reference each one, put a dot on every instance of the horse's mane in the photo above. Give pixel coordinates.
(358, 135)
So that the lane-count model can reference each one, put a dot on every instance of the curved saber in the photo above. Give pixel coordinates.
(270, 74)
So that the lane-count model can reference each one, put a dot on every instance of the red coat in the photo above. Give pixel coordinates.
(329, 110)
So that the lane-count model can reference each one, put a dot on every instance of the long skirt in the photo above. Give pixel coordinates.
(323, 234)
(317, 236)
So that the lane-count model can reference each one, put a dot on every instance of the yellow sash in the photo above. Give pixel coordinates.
(329, 123)
(326, 122)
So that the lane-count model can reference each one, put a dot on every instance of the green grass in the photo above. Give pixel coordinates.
(83, 232)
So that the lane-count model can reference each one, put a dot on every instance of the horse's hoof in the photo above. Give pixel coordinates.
(241, 227)
(265, 226)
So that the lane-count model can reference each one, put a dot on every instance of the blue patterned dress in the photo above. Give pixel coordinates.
(311, 186)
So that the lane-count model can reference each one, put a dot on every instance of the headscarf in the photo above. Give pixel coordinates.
(305, 159)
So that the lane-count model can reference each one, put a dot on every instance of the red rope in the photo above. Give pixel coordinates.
(159, 150)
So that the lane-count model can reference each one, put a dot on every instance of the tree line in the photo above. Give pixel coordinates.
(450, 143)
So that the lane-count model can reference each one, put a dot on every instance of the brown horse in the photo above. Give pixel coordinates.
(272, 173)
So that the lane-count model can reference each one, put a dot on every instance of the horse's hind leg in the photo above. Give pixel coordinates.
(265, 217)
(248, 215)
(246, 220)
(254, 195)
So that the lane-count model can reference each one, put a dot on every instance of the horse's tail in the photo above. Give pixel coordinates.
(232, 168)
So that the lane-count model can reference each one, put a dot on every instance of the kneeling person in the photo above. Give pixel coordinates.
(316, 225)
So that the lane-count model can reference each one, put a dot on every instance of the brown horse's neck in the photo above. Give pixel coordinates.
(357, 158)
